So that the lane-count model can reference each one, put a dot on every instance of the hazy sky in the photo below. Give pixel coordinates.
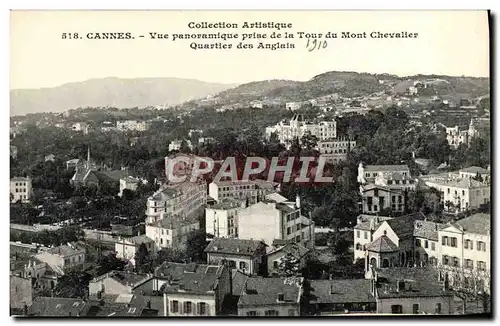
(448, 42)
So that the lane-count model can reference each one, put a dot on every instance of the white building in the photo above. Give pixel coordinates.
(287, 131)
(465, 250)
(129, 183)
(251, 190)
(376, 199)
(293, 106)
(269, 221)
(426, 234)
(192, 289)
(132, 125)
(459, 194)
(187, 199)
(455, 136)
(369, 174)
(221, 219)
(20, 189)
(171, 231)
(63, 257)
(175, 145)
(363, 233)
(474, 171)
(126, 248)
(335, 150)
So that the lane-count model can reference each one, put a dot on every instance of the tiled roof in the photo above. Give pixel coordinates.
(139, 239)
(419, 282)
(427, 229)
(372, 186)
(366, 221)
(388, 168)
(238, 279)
(128, 279)
(341, 291)
(22, 179)
(65, 250)
(403, 226)
(295, 249)
(276, 197)
(128, 305)
(382, 244)
(261, 291)
(475, 169)
(477, 223)
(227, 203)
(169, 221)
(240, 247)
(191, 278)
(56, 307)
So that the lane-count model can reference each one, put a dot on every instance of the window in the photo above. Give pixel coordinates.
(466, 244)
(275, 264)
(366, 235)
(481, 246)
(456, 262)
(161, 241)
(131, 310)
(358, 234)
(415, 308)
(426, 244)
(417, 243)
(272, 313)
(445, 260)
(288, 230)
(400, 199)
(445, 241)
(291, 312)
(252, 313)
(375, 192)
(481, 265)
(438, 308)
(393, 199)
(433, 246)
(469, 263)
(174, 306)
(397, 309)
(375, 208)
(243, 265)
(188, 307)
(202, 308)
(454, 242)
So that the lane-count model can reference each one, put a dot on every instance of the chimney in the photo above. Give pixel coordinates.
(138, 232)
(372, 224)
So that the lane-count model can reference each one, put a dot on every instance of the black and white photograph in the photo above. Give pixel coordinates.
(250, 164)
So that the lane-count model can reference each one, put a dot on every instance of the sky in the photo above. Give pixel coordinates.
(448, 43)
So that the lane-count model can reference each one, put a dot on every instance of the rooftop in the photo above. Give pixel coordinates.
(56, 307)
(261, 291)
(295, 249)
(169, 221)
(475, 169)
(125, 278)
(276, 198)
(386, 168)
(477, 223)
(126, 305)
(404, 225)
(139, 239)
(364, 221)
(22, 179)
(382, 244)
(191, 278)
(240, 247)
(227, 203)
(427, 229)
(415, 282)
(341, 291)
(462, 183)
(66, 250)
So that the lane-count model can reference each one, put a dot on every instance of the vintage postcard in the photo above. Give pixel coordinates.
(250, 163)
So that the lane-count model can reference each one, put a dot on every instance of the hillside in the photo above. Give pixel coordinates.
(349, 84)
(115, 92)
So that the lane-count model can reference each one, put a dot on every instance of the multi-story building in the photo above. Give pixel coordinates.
(129, 183)
(132, 125)
(369, 174)
(63, 257)
(427, 243)
(335, 150)
(277, 253)
(21, 189)
(269, 221)
(376, 199)
(363, 233)
(192, 289)
(247, 256)
(221, 219)
(251, 190)
(465, 251)
(126, 248)
(411, 291)
(270, 297)
(455, 136)
(120, 282)
(171, 231)
(288, 131)
(474, 171)
(459, 194)
(186, 199)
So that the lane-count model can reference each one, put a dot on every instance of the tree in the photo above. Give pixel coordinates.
(195, 246)
(142, 258)
(109, 263)
(469, 285)
(73, 284)
(288, 266)
(338, 244)
(309, 141)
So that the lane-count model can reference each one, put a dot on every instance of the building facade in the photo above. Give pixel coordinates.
(221, 219)
(21, 189)
(171, 231)
(126, 248)
(251, 190)
(335, 150)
